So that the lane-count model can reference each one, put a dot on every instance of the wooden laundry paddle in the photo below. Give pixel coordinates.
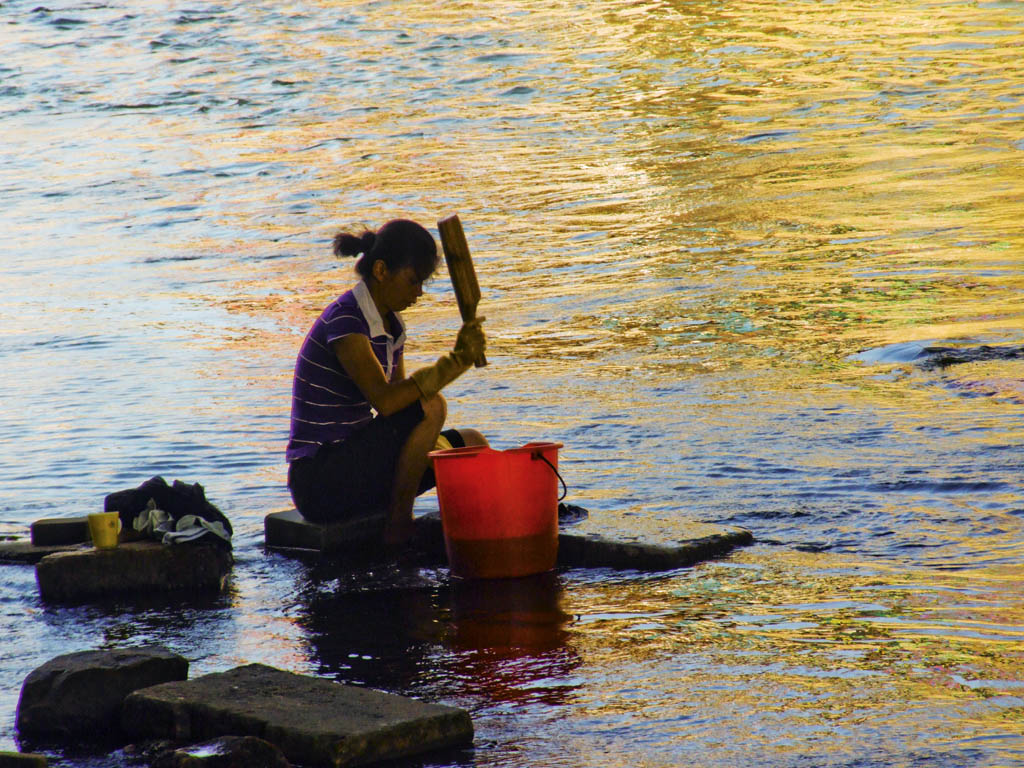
(460, 268)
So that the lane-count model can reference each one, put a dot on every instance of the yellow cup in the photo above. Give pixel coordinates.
(104, 528)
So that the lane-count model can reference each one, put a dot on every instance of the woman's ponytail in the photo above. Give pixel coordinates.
(351, 245)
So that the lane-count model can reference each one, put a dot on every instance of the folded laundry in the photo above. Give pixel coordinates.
(173, 514)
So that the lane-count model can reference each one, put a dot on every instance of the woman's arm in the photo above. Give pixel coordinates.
(357, 358)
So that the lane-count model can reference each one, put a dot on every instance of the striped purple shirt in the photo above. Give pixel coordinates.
(327, 406)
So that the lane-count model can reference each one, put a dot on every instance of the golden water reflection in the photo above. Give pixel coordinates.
(692, 186)
(686, 218)
(798, 647)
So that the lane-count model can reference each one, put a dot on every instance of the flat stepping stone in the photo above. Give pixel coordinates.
(700, 542)
(49, 536)
(139, 567)
(290, 530)
(25, 552)
(22, 760)
(313, 721)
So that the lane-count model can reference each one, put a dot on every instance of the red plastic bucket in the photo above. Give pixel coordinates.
(499, 509)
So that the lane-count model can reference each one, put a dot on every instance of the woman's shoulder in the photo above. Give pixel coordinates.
(347, 299)
(344, 310)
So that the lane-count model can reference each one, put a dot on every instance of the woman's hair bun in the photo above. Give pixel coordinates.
(351, 245)
(399, 243)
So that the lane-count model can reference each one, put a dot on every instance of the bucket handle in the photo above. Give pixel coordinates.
(542, 457)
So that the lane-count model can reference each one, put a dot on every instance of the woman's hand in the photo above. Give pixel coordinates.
(471, 343)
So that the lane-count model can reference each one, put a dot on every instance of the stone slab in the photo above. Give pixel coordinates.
(139, 567)
(22, 760)
(290, 533)
(313, 721)
(57, 531)
(289, 530)
(590, 550)
(575, 550)
(25, 552)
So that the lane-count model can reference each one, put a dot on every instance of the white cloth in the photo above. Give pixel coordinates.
(159, 525)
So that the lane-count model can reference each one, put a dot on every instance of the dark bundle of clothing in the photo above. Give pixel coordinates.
(173, 514)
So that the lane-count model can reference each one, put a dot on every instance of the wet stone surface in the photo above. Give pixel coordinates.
(310, 719)
(577, 548)
(224, 752)
(132, 568)
(79, 695)
(22, 760)
(20, 552)
(938, 357)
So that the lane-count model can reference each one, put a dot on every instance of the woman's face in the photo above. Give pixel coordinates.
(400, 288)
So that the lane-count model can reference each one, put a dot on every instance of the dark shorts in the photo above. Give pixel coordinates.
(355, 477)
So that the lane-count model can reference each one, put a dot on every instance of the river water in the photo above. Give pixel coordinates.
(717, 244)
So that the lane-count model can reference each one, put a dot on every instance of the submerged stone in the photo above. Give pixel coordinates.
(938, 357)
(80, 694)
(312, 720)
(705, 542)
(132, 568)
(225, 752)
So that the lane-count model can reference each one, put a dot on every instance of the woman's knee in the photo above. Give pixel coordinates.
(435, 411)
(472, 437)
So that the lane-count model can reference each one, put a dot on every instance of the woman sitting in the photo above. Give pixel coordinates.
(360, 428)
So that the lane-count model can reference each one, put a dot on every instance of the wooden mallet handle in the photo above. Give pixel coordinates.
(460, 268)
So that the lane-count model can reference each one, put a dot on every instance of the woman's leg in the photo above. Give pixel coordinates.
(412, 463)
